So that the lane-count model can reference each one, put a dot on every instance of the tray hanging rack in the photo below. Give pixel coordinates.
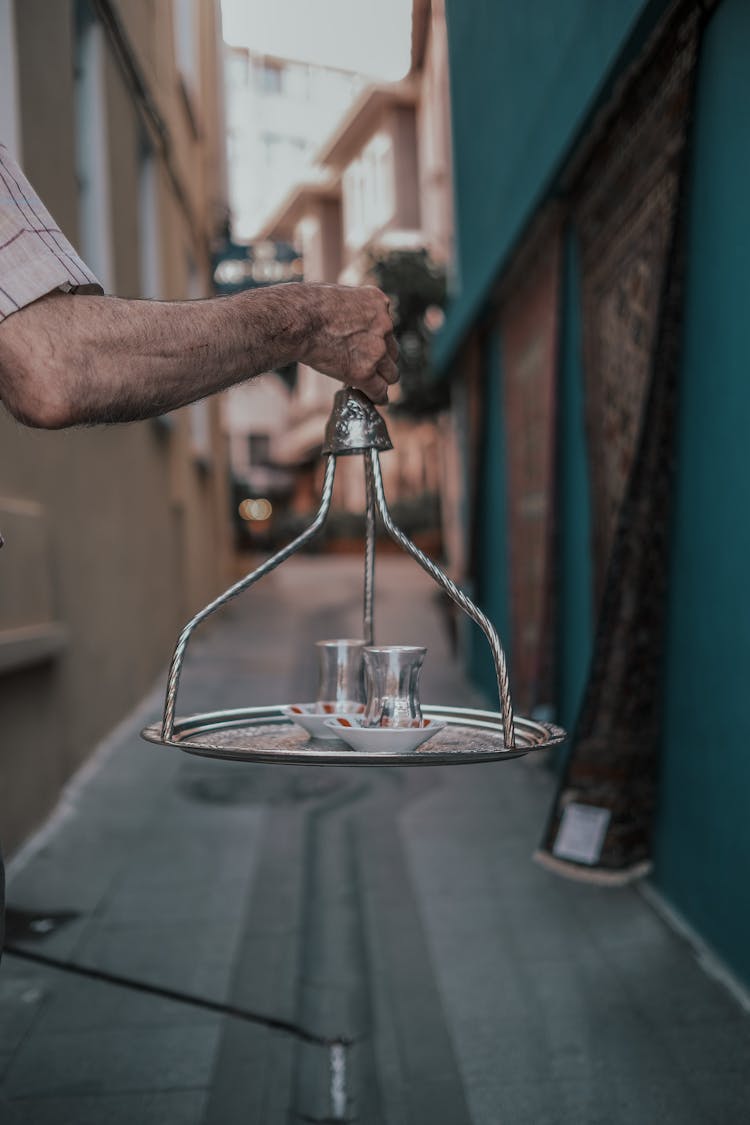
(263, 734)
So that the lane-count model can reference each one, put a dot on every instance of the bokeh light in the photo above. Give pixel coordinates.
(256, 510)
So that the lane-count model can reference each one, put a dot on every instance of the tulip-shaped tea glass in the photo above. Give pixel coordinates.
(340, 687)
(392, 685)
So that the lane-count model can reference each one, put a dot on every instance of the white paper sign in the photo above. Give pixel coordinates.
(581, 833)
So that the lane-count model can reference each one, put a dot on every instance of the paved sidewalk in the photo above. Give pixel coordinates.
(268, 944)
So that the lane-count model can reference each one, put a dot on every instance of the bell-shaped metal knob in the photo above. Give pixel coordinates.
(354, 425)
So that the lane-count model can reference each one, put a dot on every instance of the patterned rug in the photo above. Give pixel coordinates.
(628, 210)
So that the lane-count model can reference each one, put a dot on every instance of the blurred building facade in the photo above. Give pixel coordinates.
(384, 184)
(549, 337)
(113, 536)
(279, 111)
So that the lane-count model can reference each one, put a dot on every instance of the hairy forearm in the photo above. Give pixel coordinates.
(68, 360)
(71, 360)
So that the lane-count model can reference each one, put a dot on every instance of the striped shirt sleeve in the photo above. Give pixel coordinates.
(35, 256)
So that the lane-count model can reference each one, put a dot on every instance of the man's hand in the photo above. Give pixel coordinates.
(352, 338)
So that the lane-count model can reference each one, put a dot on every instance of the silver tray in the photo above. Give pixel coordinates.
(265, 734)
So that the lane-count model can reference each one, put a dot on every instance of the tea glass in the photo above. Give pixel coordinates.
(340, 686)
(392, 685)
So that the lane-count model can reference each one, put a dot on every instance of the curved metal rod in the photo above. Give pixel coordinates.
(434, 571)
(368, 613)
(173, 683)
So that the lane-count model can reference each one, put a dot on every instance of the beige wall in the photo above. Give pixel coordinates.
(403, 127)
(434, 140)
(114, 535)
(363, 227)
(318, 234)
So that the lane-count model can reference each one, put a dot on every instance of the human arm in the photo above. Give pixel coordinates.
(72, 359)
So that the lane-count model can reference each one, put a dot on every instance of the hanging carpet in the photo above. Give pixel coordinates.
(628, 209)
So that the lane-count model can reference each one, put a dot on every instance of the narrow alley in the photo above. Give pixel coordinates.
(209, 943)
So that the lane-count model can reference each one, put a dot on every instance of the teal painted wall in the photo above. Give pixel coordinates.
(524, 76)
(574, 560)
(703, 842)
(491, 572)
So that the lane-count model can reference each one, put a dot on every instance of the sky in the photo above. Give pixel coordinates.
(372, 37)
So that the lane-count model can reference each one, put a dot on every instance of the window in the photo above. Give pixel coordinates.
(200, 431)
(148, 217)
(92, 147)
(269, 77)
(184, 19)
(379, 157)
(271, 147)
(297, 81)
(187, 45)
(9, 124)
(237, 65)
(353, 210)
(368, 190)
(200, 412)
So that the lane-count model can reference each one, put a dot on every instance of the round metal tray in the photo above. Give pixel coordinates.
(264, 734)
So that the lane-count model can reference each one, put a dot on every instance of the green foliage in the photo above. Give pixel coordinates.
(417, 288)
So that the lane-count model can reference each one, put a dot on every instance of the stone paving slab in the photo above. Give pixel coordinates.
(180, 1107)
(114, 1060)
(392, 954)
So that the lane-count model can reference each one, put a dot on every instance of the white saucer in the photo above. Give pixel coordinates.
(313, 718)
(395, 740)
